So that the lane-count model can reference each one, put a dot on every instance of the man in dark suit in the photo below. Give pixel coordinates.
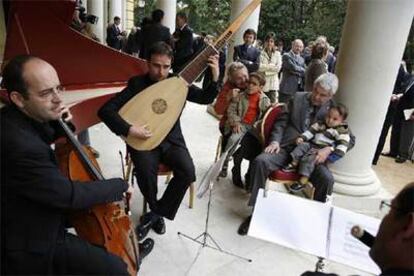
(183, 42)
(114, 35)
(293, 72)
(247, 53)
(400, 87)
(154, 32)
(172, 151)
(303, 109)
(35, 196)
(405, 126)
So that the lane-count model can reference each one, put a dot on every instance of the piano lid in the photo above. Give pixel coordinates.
(42, 28)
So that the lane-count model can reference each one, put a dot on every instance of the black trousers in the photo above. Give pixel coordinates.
(284, 98)
(74, 256)
(395, 134)
(250, 147)
(71, 256)
(146, 165)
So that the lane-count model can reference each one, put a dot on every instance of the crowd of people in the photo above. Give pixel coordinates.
(310, 133)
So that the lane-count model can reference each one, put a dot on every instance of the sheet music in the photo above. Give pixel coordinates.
(291, 221)
(211, 176)
(344, 247)
(303, 224)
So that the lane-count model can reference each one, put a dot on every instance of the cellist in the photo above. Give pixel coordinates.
(35, 196)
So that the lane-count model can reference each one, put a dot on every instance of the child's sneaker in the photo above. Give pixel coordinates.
(296, 187)
(289, 168)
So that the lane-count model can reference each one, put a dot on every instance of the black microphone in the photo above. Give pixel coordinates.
(362, 235)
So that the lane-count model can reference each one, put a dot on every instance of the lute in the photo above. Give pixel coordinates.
(160, 105)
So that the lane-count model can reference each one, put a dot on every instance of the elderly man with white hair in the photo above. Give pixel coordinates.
(293, 72)
(303, 109)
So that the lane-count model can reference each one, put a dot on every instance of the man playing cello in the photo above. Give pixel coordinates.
(35, 196)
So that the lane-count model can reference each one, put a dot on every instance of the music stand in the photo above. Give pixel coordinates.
(209, 178)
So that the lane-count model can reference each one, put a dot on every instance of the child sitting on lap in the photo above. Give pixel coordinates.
(334, 132)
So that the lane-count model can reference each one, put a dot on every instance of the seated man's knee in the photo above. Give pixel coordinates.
(186, 173)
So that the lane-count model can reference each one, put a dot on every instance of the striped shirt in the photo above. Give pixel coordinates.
(323, 136)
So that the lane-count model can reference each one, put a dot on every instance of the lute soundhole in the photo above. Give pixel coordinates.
(159, 106)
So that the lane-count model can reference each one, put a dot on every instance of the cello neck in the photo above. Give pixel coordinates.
(95, 173)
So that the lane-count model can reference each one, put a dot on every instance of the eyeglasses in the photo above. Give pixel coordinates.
(50, 93)
(386, 206)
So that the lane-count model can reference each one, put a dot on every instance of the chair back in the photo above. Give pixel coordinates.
(268, 120)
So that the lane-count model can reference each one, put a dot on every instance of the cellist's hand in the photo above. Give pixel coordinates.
(65, 114)
(140, 132)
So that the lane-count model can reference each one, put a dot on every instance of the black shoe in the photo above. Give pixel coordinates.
(389, 154)
(145, 248)
(144, 227)
(159, 226)
(296, 187)
(223, 172)
(244, 227)
(400, 159)
(236, 178)
(289, 168)
(247, 186)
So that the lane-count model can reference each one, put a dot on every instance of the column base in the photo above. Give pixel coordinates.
(367, 205)
(362, 184)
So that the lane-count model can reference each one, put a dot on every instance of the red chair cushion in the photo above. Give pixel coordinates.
(162, 168)
(284, 176)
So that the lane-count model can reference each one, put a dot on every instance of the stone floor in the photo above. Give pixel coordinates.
(175, 255)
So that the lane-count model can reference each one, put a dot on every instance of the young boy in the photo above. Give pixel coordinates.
(244, 110)
(334, 132)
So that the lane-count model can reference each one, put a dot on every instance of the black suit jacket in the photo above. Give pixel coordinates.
(35, 196)
(183, 47)
(109, 111)
(112, 33)
(249, 56)
(151, 34)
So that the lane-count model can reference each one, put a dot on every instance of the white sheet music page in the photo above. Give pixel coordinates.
(346, 249)
(291, 221)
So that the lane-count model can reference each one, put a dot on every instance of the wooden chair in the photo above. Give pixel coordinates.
(163, 170)
(279, 176)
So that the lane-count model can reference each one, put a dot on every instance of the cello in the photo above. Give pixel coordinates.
(105, 225)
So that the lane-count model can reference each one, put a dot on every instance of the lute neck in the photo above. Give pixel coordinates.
(197, 66)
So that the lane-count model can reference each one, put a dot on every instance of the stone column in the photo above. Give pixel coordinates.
(115, 9)
(373, 41)
(252, 22)
(96, 7)
(170, 10)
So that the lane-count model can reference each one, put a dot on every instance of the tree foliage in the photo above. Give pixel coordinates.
(210, 16)
(304, 19)
(289, 19)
